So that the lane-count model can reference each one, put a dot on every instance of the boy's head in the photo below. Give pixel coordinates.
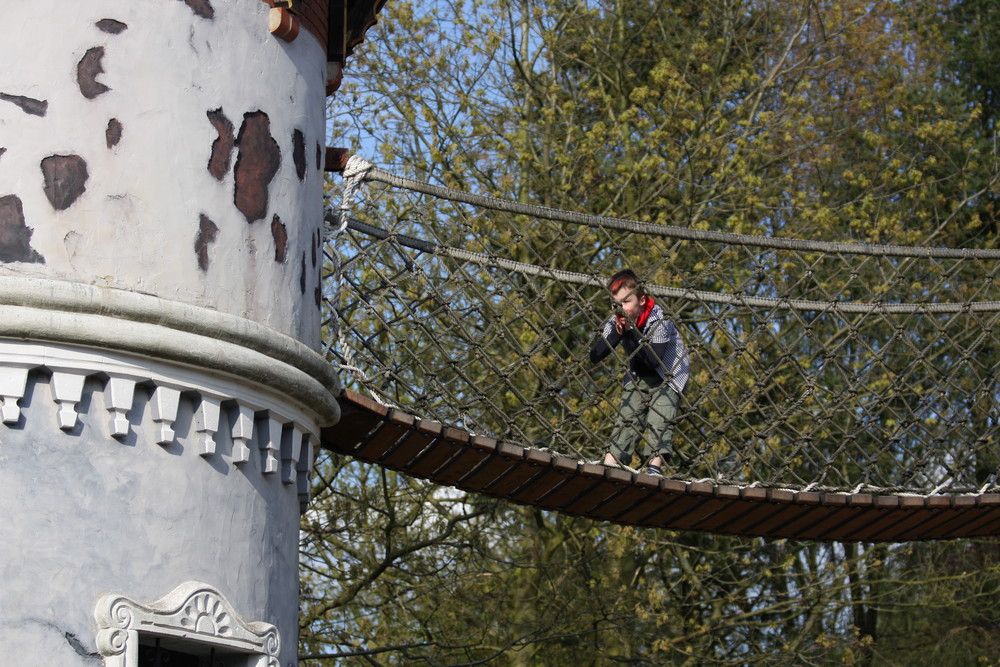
(626, 278)
(627, 293)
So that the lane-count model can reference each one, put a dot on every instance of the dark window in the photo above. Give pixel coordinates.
(159, 656)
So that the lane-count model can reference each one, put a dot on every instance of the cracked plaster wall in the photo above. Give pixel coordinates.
(145, 517)
(120, 145)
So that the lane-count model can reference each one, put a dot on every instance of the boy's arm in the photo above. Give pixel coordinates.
(606, 341)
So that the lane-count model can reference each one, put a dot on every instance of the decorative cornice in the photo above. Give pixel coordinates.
(284, 434)
(110, 319)
(349, 21)
(193, 612)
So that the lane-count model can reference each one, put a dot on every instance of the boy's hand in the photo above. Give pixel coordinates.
(621, 323)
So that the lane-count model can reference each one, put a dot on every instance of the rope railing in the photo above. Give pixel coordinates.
(815, 364)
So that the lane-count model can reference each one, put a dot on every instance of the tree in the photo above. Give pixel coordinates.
(814, 120)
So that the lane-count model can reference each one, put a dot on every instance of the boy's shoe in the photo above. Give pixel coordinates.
(653, 470)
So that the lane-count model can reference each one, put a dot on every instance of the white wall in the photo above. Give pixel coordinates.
(86, 511)
(136, 225)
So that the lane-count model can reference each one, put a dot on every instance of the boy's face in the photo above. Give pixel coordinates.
(630, 302)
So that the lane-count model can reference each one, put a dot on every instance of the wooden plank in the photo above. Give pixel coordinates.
(730, 517)
(845, 531)
(609, 482)
(484, 475)
(668, 490)
(732, 506)
(434, 457)
(558, 471)
(878, 529)
(561, 470)
(832, 522)
(647, 492)
(352, 399)
(706, 508)
(380, 441)
(515, 474)
(925, 529)
(599, 495)
(407, 449)
(576, 486)
(793, 521)
(745, 514)
(539, 487)
(937, 530)
(988, 522)
(596, 510)
(359, 415)
(444, 448)
(352, 429)
(622, 502)
(908, 523)
(513, 479)
(467, 460)
(989, 528)
(666, 516)
(975, 519)
(777, 509)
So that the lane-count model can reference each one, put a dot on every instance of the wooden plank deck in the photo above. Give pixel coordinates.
(394, 439)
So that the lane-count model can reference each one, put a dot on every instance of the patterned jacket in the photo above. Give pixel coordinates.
(655, 348)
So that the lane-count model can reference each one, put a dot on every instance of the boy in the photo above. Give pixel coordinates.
(658, 368)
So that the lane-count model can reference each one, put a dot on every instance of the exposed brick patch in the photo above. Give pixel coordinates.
(222, 147)
(15, 236)
(65, 179)
(299, 153)
(202, 8)
(111, 26)
(302, 275)
(87, 70)
(113, 134)
(335, 159)
(207, 231)
(315, 18)
(28, 105)
(256, 164)
(280, 234)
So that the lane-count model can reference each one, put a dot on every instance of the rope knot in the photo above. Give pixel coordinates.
(354, 177)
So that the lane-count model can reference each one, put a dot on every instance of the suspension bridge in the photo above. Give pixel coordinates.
(839, 391)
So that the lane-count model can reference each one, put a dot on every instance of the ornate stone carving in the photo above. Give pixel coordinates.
(193, 612)
(258, 423)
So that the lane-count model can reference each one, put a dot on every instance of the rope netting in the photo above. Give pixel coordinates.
(817, 365)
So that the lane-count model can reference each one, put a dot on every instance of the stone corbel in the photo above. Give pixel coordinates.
(282, 21)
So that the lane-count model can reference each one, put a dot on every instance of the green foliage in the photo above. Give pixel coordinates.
(836, 120)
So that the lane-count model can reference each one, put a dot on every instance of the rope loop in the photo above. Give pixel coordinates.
(354, 178)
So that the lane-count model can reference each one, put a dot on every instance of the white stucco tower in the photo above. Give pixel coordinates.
(161, 392)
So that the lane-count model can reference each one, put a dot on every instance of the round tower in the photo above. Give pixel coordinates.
(161, 392)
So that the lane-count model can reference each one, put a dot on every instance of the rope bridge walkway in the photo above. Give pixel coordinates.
(840, 391)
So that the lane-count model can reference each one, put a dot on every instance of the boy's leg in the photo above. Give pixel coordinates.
(629, 425)
(662, 411)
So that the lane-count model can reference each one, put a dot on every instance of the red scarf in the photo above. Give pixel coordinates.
(647, 309)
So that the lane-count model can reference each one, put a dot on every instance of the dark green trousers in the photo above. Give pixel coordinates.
(648, 407)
